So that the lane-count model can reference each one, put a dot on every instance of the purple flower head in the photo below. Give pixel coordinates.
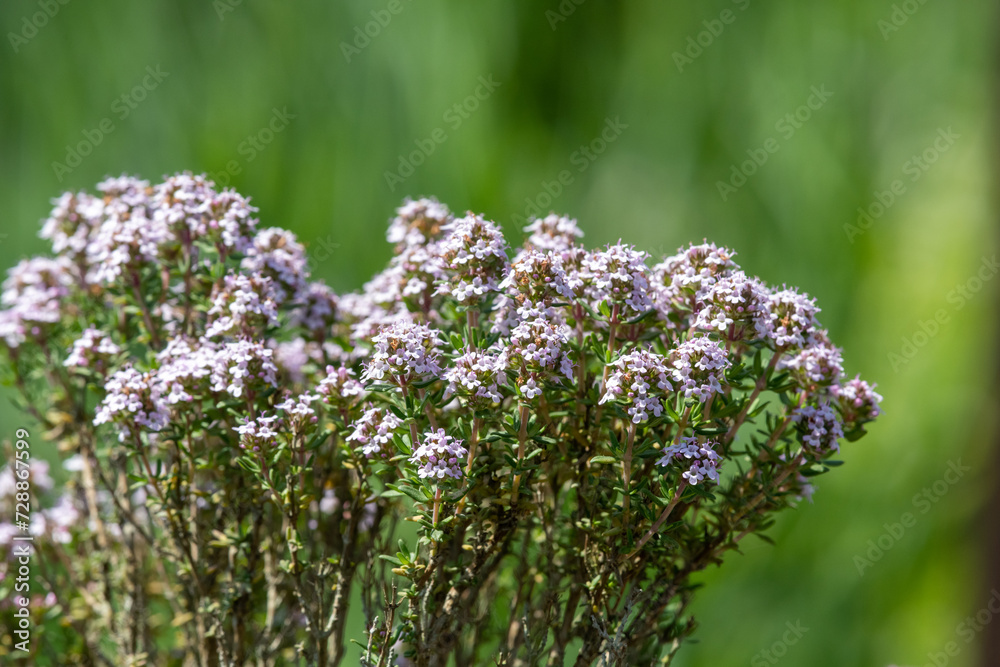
(243, 365)
(537, 277)
(418, 222)
(130, 233)
(185, 367)
(793, 318)
(404, 353)
(315, 309)
(32, 298)
(293, 356)
(413, 275)
(535, 282)
(818, 364)
(858, 401)
(339, 388)
(439, 455)
(639, 382)
(680, 282)
(245, 306)
(134, 402)
(736, 307)
(298, 412)
(374, 431)
(700, 458)
(474, 259)
(819, 427)
(618, 275)
(692, 271)
(477, 376)
(553, 232)
(277, 254)
(92, 350)
(71, 225)
(259, 434)
(539, 348)
(698, 366)
(194, 210)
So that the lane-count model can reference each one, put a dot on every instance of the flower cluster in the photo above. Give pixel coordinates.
(438, 455)
(477, 377)
(339, 388)
(700, 458)
(374, 431)
(858, 402)
(32, 299)
(698, 367)
(404, 353)
(619, 276)
(243, 365)
(277, 254)
(135, 402)
(818, 364)
(246, 304)
(820, 426)
(538, 352)
(258, 434)
(793, 318)
(553, 232)
(474, 255)
(418, 222)
(299, 411)
(688, 275)
(93, 349)
(736, 307)
(639, 381)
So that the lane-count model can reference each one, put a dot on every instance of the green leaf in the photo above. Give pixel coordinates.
(604, 459)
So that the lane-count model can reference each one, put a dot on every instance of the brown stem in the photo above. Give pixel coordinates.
(522, 438)
(627, 469)
(659, 522)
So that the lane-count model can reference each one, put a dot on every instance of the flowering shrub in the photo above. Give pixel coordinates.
(487, 455)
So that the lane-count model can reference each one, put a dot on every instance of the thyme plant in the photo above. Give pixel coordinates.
(486, 456)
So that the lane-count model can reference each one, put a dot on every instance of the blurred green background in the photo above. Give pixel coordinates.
(691, 88)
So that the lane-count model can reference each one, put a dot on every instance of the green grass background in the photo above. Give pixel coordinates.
(655, 186)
